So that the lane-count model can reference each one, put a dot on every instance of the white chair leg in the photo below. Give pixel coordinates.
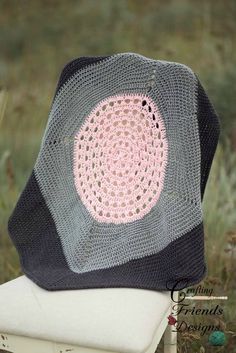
(170, 340)
(170, 335)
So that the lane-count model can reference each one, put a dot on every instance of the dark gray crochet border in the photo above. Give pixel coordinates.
(43, 261)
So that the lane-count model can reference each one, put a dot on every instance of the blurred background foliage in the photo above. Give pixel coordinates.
(37, 38)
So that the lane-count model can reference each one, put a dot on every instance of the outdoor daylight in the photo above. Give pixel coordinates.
(117, 176)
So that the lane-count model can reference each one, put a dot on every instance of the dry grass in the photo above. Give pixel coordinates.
(37, 39)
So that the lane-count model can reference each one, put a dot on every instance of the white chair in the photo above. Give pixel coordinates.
(127, 320)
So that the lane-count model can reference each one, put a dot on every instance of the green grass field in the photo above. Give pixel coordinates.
(38, 38)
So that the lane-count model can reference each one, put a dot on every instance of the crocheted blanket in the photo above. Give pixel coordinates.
(115, 196)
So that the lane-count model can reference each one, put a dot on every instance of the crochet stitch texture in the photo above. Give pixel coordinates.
(115, 196)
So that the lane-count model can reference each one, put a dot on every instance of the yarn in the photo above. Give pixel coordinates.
(114, 198)
(217, 338)
(120, 158)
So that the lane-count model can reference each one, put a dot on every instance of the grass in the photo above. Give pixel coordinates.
(39, 38)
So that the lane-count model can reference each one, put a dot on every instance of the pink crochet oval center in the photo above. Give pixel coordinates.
(120, 155)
